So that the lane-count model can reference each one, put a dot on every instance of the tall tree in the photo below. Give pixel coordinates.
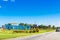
(42, 26)
(35, 25)
(9, 26)
(53, 26)
(21, 24)
(49, 26)
(26, 24)
(9, 23)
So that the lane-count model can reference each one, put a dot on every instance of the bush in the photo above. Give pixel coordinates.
(34, 31)
(37, 29)
(30, 31)
(27, 31)
(21, 31)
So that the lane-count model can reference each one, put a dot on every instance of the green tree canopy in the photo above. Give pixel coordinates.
(21, 24)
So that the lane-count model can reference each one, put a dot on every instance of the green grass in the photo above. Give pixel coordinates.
(9, 34)
(4, 36)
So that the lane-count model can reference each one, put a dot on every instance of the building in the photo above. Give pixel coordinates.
(16, 27)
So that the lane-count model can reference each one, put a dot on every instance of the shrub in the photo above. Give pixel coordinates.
(21, 31)
(27, 31)
(33, 31)
(37, 29)
(30, 31)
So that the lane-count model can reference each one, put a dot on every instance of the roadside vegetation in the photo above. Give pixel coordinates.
(4, 34)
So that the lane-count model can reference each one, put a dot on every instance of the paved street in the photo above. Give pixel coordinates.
(47, 36)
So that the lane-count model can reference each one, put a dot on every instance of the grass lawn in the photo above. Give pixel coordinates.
(9, 34)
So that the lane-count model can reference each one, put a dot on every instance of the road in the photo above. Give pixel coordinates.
(46, 36)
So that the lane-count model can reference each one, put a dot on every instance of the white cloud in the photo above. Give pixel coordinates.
(5, 0)
(0, 6)
(12, 0)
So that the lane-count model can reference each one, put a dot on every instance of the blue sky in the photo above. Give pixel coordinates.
(30, 11)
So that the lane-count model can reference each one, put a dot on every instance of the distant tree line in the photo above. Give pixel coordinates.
(37, 26)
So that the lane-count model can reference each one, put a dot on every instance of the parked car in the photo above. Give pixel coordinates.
(57, 29)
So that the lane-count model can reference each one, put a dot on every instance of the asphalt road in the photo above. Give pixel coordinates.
(46, 36)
